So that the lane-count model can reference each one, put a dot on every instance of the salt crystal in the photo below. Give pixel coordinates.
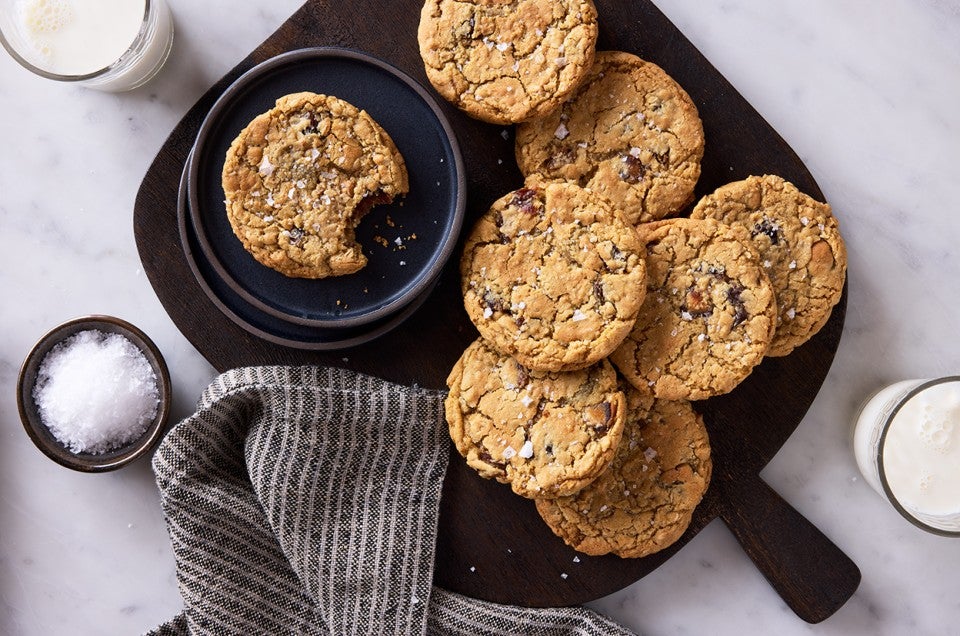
(563, 575)
(266, 168)
(578, 316)
(527, 451)
(509, 453)
(576, 559)
(561, 132)
(96, 392)
(649, 454)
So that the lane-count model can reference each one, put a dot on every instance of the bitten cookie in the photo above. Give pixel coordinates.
(553, 276)
(645, 500)
(629, 132)
(708, 316)
(507, 61)
(299, 178)
(800, 248)
(545, 434)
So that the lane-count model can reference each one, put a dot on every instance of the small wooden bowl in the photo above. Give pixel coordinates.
(41, 435)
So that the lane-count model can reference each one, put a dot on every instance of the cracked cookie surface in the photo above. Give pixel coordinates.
(507, 61)
(800, 247)
(645, 499)
(553, 276)
(545, 434)
(708, 316)
(629, 132)
(299, 178)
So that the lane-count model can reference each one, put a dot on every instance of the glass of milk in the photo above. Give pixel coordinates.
(907, 444)
(112, 45)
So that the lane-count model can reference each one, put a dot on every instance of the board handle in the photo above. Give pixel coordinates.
(812, 575)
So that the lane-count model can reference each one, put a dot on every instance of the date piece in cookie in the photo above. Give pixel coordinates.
(553, 276)
(545, 434)
(507, 61)
(645, 500)
(629, 132)
(800, 248)
(299, 178)
(708, 316)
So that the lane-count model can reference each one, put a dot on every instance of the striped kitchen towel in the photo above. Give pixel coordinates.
(304, 500)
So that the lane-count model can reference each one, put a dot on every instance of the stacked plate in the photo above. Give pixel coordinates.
(407, 242)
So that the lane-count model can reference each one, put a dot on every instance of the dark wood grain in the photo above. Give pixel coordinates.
(492, 544)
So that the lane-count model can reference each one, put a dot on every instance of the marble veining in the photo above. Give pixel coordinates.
(866, 93)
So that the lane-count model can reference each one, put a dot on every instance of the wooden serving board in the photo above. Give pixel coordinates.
(492, 544)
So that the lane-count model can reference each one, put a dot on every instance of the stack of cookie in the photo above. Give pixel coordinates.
(589, 269)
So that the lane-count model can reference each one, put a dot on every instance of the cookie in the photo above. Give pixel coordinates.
(800, 246)
(507, 61)
(629, 132)
(545, 434)
(299, 178)
(553, 276)
(708, 316)
(645, 500)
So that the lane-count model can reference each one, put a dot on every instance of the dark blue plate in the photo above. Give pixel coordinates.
(427, 221)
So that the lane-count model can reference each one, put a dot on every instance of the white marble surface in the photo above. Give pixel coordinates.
(867, 94)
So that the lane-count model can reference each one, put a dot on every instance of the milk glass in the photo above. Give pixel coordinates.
(111, 45)
(907, 444)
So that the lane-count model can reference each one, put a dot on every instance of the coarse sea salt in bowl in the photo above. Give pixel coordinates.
(94, 394)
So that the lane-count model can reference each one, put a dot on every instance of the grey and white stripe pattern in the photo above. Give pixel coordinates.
(304, 500)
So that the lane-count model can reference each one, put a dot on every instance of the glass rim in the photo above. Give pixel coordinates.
(141, 34)
(906, 514)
